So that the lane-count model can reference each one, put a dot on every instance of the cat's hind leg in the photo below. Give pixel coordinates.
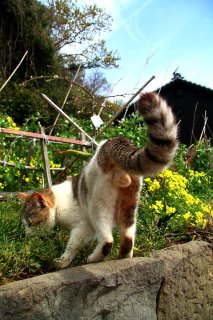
(127, 238)
(80, 235)
(126, 222)
(103, 228)
(126, 219)
(103, 248)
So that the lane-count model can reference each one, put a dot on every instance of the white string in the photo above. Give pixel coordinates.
(45, 138)
(34, 142)
(42, 176)
(128, 109)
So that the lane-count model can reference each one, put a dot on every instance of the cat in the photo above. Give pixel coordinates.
(106, 194)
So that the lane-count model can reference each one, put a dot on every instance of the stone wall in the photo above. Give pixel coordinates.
(174, 283)
(187, 290)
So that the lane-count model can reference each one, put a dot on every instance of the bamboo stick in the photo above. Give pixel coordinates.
(45, 159)
(52, 104)
(39, 136)
(14, 71)
(124, 107)
(9, 164)
(66, 97)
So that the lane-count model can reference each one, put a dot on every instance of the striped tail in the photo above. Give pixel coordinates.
(161, 146)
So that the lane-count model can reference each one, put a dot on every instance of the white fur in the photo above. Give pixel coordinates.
(93, 220)
(94, 217)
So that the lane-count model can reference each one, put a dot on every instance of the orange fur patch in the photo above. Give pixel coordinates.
(120, 179)
(127, 203)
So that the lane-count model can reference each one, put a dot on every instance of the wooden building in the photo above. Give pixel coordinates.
(191, 103)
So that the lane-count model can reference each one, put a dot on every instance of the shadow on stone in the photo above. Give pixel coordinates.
(135, 288)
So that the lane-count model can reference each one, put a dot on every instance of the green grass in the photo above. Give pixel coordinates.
(178, 202)
(21, 256)
(24, 257)
(176, 206)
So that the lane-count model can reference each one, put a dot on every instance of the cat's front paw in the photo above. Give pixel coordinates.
(62, 263)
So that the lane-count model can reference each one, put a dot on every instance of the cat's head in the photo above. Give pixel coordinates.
(38, 212)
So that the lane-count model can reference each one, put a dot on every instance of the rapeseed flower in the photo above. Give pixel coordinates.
(12, 124)
(178, 198)
(200, 219)
(157, 206)
(170, 210)
(187, 215)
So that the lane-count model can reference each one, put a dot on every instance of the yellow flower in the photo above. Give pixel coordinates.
(191, 173)
(154, 186)
(189, 199)
(172, 185)
(158, 206)
(12, 124)
(27, 179)
(187, 215)
(54, 165)
(32, 162)
(170, 210)
(18, 173)
(200, 220)
(147, 180)
(154, 207)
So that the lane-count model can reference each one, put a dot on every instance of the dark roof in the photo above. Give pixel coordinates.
(182, 82)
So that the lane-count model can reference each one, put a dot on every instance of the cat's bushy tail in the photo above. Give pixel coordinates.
(161, 146)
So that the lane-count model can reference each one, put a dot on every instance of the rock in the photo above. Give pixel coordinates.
(173, 284)
(121, 289)
(187, 290)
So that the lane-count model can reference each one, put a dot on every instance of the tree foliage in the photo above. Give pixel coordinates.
(46, 30)
(24, 25)
(80, 29)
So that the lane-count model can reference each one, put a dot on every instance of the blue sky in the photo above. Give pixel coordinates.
(155, 37)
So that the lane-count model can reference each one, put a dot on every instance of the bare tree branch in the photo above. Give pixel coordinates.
(14, 71)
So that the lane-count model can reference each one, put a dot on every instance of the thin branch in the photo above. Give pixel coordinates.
(207, 146)
(203, 132)
(52, 104)
(193, 123)
(9, 164)
(188, 233)
(83, 88)
(75, 83)
(62, 173)
(124, 107)
(14, 71)
(40, 136)
(66, 97)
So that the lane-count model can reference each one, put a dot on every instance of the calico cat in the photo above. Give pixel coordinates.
(106, 194)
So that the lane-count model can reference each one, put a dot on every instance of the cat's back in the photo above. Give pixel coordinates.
(63, 193)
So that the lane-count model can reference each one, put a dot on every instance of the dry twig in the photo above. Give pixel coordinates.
(124, 107)
(14, 71)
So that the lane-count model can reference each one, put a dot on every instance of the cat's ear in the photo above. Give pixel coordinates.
(39, 199)
(23, 195)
